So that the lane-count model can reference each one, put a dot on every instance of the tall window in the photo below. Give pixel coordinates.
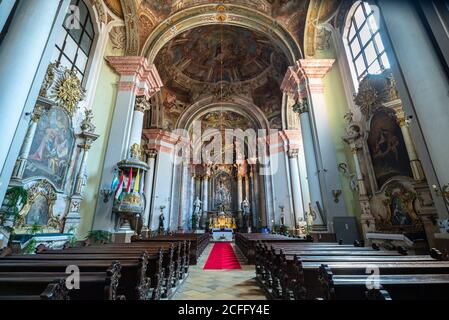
(75, 42)
(364, 43)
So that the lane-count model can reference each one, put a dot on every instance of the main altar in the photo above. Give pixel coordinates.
(222, 226)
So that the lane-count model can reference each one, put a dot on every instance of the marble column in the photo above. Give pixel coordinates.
(87, 136)
(183, 214)
(148, 188)
(205, 193)
(313, 179)
(313, 72)
(25, 53)
(247, 188)
(142, 105)
(240, 199)
(192, 199)
(138, 78)
(415, 163)
(25, 150)
(253, 191)
(296, 186)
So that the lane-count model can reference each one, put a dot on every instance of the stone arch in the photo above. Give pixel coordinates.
(235, 104)
(223, 14)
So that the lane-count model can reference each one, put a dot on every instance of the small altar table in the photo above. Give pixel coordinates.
(224, 235)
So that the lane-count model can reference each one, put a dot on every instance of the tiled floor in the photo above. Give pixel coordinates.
(220, 284)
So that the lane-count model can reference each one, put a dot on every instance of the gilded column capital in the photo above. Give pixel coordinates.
(293, 153)
(301, 107)
(151, 153)
(142, 104)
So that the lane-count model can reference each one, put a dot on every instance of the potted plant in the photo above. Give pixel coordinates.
(99, 237)
(15, 199)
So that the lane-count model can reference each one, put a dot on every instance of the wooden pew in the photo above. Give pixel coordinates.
(198, 242)
(311, 279)
(398, 286)
(136, 277)
(57, 290)
(174, 265)
(247, 242)
(31, 278)
(279, 273)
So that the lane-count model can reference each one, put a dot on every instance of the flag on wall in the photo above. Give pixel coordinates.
(115, 182)
(142, 179)
(130, 178)
(137, 182)
(119, 191)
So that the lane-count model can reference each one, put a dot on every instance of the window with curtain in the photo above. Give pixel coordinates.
(74, 44)
(364, 42)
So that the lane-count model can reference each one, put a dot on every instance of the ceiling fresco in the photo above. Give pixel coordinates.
(222, 61)
(224, 120)
(218, 53)
(199, 61)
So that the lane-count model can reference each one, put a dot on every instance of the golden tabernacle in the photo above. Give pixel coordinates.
(222, 221)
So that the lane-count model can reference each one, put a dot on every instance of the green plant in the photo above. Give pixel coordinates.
(30, 246)
(35, 228)
(100, 236)
(72, 241)
(15, 198)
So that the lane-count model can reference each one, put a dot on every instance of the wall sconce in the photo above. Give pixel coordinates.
(336, 194)
(106, 194)
(442, 192)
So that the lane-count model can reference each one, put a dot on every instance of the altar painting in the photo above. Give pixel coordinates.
(387, 148)
(51, 148)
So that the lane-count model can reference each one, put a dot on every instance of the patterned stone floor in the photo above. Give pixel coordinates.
(220, 284)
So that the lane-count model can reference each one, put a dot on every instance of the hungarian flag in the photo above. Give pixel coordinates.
(130, 178)
(119, 191)
(137, 182)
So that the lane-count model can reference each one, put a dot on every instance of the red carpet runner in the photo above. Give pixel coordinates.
(222, 257)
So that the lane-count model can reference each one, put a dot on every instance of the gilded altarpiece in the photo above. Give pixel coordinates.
(52, 161)
(393, 192)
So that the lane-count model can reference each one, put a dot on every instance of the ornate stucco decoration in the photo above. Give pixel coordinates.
(367, 98)
(375, 91)
(41, 190)
(99, 6)
(132, 27)
(118, 37)
(400, 205)
(48, 80)
(67, 91)
(86, 124)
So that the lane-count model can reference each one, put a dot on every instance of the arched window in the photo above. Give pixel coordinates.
(74, 44)
(365, 48)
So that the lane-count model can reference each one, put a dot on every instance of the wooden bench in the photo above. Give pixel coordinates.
(198, 242)
(100, 281)
(164, 272)
(397, 286)
(247, 242)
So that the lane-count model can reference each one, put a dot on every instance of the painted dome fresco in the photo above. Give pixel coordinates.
(198, 54)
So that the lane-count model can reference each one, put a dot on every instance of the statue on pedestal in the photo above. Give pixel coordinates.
(197, 213)
(247, 213)
(161, 220)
